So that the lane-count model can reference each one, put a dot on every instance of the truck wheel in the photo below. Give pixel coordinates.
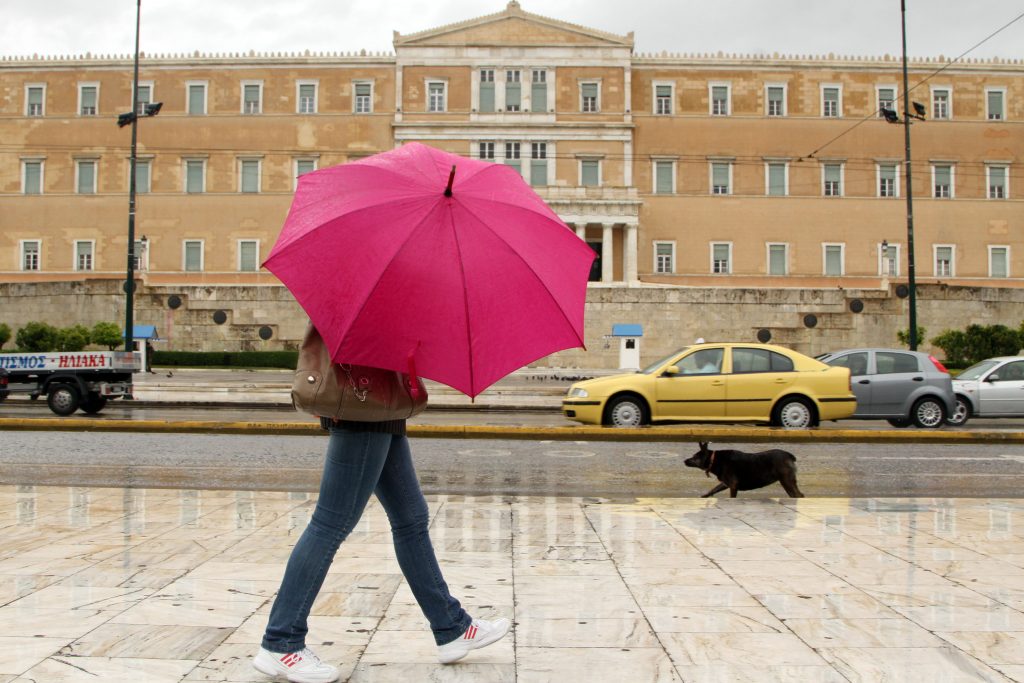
(93, 403)
(63, 399)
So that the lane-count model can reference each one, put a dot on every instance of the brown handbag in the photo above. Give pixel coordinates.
(351, 392)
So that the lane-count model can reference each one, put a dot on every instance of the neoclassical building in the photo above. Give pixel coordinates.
(688, 170)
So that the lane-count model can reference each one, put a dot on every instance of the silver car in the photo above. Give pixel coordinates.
(991, 388)
(903, 387)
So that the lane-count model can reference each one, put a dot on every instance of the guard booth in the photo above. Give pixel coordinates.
(143, 337)
(629, 344)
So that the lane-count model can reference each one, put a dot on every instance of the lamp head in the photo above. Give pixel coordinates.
(890, 115)
(125, 119)
(154, 108)
(919, 109)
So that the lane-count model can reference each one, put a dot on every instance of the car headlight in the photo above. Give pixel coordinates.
(576, 392)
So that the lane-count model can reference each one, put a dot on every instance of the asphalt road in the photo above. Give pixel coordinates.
(487, 467)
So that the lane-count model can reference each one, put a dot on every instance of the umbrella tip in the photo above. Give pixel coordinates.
(451, 179)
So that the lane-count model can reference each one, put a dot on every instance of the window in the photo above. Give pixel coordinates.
(83, 254)
(590, 172)
(435, 96)
(363, 97)
(886, 99)
(664, 177)
(665, 257)
(833, 259)
(513, 90)
(486, 91)
(538, 164)
(252, 98)
(142, 175)
(942, 181)
(88, 99)
(721, 258)
(486, 151)
(832, 180)
(941, 103)
(778, 259)
(248, 255)
(35, 97)
(776, 179)
(943, 260)
(831, 101)
(998, 261)
(888, 260)
(721, 177)
(759, 360)
(195, 176)
(995, 104)
(144, 97)
(890, 363)
(196, 99)
(85, 177)
(513, 156)
(306, 91)
(887, 180)
(249, 180)
(775, 100)
(857, 362)
(997, 180)
(304, 166)
(589, 97)
(30, 254)
(662, 99)
(32, 177)
(539, 90)
(140, 260)
(192, 255)
(719, 99)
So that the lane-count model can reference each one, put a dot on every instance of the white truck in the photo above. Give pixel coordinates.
(70, 379)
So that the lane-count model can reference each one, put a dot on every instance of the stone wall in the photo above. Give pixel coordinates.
(671, 316)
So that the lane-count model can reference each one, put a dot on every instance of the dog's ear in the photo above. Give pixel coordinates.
(703, 445)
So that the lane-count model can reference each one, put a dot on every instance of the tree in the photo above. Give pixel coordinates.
(5, 334)
(74, 338)
(106, 334)
(978, 342)
(903, 336)
(37, 336)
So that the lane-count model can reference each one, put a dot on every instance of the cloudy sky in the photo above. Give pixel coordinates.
(867, 27)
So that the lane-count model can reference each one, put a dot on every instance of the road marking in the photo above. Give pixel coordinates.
(486, 452)
(653, 455)
(939, 457)
(570, 454)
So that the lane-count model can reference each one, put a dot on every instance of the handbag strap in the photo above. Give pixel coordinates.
(359, 393)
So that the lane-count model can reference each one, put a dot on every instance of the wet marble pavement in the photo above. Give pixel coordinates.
(164, 585)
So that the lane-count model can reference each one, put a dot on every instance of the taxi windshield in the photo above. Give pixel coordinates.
(661, 361)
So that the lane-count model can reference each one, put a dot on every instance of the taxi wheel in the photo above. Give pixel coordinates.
(626, 411)
(795, 413)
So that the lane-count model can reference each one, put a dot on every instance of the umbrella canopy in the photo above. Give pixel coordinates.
(393, 257)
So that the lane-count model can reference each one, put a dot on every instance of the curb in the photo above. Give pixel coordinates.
(649, 434)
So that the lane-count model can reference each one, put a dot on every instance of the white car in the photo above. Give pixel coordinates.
(991, 388)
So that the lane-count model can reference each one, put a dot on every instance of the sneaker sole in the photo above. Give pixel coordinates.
(268, 670)
(456, 656)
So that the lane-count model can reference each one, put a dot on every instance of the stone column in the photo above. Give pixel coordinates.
(607, 253)
(629, 258)
(581, 231)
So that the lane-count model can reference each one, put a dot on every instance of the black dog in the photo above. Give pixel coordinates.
(739, 471)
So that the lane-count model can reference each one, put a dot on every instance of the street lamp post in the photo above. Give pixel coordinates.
(911, 272)
(125, 119)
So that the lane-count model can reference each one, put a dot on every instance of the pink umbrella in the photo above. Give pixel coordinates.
(418, 254)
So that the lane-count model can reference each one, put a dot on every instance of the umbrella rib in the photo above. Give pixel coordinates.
(465, 301)
(525, 262)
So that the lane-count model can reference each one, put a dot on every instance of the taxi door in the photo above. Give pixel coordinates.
(696, 391)
(758, 376)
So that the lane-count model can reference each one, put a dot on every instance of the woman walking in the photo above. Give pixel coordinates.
(365, 458)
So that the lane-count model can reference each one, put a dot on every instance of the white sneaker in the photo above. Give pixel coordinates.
(297, 667)
(480, 633)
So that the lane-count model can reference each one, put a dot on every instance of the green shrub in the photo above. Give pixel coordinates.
(106, 334)
(37, 336)
(227, 359)
(5, 334)
(978, 342)
(903, 336)
(74, 338)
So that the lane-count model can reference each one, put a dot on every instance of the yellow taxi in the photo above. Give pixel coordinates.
(718, 382)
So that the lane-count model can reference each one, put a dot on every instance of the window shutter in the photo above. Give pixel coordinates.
(999, 262)
(777, 259)
(89, 99)
(538, 95)
(777, 179)
(247, 256)
(33, 177)
(194, 176)
(995, 104)
(141, 176)
(193, 256)
(942, 175)
(250, 176)
(590, 173)
(195, 99)
(86, 177)
(833, 260)
(590, 89)
(663, 177)
(720, 175)
(487, 91)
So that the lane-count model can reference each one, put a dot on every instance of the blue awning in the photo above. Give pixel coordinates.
(143, 332)
(627, 330)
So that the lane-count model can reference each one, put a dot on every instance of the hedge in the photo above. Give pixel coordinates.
(226, 359)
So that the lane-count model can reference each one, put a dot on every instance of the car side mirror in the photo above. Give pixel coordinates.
(671, 371)
(994, 377)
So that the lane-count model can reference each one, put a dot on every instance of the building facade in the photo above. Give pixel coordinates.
(680, 170)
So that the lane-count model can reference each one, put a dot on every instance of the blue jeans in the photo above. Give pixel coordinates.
(358, 464)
